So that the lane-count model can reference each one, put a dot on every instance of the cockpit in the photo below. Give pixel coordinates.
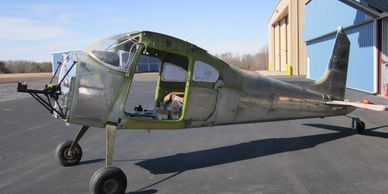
(169, 83)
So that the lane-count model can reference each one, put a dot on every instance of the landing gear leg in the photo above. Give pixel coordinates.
(358, 125)
(109, 179)
(69, 153)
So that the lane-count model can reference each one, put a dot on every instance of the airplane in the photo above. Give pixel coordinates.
(193, 89)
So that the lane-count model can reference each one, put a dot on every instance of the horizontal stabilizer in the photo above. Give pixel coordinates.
(373, 107)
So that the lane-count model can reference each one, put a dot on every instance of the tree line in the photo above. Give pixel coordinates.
(250, 62)
(24, 66)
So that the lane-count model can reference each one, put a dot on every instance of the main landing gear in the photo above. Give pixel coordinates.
(358, 124)
(107, 180)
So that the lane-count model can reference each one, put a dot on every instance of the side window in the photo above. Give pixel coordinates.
(173, 73)
(204, 72)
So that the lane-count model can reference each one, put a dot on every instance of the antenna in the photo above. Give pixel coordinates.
(197, 30)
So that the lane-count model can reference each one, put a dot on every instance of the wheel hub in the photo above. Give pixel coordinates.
(69, 155)
(110, 186)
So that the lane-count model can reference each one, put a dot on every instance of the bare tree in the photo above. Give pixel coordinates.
(258, 61)
(262, 58)
(3, 69)
(250, 62)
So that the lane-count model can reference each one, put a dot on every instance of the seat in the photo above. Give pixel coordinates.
(172, 105)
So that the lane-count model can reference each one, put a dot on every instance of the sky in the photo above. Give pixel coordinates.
(31, 30)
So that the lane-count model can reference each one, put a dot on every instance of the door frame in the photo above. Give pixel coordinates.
(382, 47)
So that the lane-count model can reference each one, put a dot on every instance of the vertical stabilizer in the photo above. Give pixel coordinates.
(333, 82)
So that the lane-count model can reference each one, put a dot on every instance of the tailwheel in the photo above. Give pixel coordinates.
(358, 125)
(108, 180)
(67, 157)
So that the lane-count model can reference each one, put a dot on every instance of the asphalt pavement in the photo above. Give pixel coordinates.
(298, 156)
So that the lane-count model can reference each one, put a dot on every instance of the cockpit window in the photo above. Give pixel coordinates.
(107, 44)
(120, 59)
(110, 58)
(173, 73)
(115, 52)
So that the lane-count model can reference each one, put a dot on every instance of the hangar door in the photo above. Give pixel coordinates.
(283, 44)
(280, 47)
(277, 47)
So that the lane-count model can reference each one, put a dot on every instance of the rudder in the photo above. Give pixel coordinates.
(333, 82)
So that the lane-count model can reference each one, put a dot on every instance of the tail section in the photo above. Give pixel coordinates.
(333, 82)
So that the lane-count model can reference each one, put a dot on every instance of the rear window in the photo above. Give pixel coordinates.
(204, 72)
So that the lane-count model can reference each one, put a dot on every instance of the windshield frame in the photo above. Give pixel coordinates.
(114, 45)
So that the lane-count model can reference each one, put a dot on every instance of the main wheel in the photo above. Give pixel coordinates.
(108, 180)
(360, 126)
(67, 157)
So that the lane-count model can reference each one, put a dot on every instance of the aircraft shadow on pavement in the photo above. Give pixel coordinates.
(351, 131)
(150, 191)
(91, 161)
(233, 153)
(244, 151)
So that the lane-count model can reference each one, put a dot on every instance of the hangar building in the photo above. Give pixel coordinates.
(366, 24)
(286, 22)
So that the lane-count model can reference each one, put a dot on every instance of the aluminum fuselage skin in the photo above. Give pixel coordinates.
(100, 93)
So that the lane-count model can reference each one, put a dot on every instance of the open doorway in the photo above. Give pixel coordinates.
(384, 55)
(159, 95)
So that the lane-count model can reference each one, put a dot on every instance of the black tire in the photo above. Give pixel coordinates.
(108, 180)
(66, 159)
(360, 126)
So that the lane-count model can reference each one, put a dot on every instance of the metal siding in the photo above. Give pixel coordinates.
(323, 16)
(360, 72)
(380, 4)
(154, 67)
(384, 40)
(148, 64)
(142, 68)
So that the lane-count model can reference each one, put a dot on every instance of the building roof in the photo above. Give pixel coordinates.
(375, 8)
(378, 4)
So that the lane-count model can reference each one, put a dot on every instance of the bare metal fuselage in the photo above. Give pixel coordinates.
(241, 97)
(266, 99)
(98, 92)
